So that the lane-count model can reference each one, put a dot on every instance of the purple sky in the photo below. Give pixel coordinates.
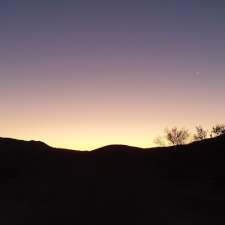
(82, 74)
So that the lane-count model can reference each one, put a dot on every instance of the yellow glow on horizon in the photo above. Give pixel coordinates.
(89, 123)
(90, 138)
(92, 141)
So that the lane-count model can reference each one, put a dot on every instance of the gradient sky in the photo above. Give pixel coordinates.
(83, 74)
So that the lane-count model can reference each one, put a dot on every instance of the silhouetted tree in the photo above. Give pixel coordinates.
(177, 136)
(218, 130)
(200, 134)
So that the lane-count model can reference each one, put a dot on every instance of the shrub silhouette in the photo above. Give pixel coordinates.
(200, 134)
(177, 136)
(218, 130)
(159, 141)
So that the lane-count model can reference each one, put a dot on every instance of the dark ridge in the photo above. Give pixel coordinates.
(16, 141)
(118, 148)
(115, 184)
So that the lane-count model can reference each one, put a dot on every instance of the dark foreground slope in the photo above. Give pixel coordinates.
(183, 185)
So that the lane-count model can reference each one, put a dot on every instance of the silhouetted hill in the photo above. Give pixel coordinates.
(115, 184)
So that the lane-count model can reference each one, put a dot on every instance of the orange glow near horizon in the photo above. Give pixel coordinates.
(87, 128)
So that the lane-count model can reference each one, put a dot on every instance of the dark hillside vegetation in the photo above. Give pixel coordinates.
(180, 185)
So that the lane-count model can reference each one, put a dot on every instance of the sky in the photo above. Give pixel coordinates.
(84, 74)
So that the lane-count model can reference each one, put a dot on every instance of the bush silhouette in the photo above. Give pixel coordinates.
(200, 134)
(177, 136)
(218, 130)
(159, 141)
